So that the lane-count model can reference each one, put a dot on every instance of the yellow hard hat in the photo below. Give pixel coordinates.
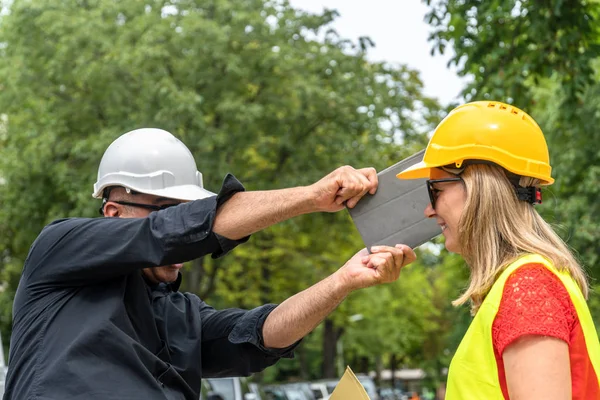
(489, 131)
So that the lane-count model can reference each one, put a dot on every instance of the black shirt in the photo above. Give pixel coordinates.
(87, 325)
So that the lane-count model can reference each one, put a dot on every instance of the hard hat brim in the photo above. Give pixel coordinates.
(417, 171)
(184, 192)
(423, 170)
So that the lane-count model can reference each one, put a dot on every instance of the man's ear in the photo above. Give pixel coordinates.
(112, 209)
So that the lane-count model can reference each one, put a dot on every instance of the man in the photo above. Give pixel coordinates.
(98, 314)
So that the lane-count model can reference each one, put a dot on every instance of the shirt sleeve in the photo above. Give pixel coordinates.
(534, 302)
(82, 250)
(232, 342)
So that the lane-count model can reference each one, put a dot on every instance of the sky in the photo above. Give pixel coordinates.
(400, 34)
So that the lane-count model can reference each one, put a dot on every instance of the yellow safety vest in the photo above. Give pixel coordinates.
(473, 373)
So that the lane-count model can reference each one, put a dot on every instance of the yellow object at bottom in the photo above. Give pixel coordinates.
(349, 388)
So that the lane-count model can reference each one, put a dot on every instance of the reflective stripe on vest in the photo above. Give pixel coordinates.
(473, 373)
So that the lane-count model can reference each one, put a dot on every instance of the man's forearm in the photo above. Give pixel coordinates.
(248, 212)
(300, 314)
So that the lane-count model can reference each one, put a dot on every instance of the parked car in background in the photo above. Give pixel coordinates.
(302, 387)
(323, 389)
(229, 389)
(3, 370)
(257, 390)
(274, 392)
(388, 393)
(369, 386)
(400, 394)
(206, 392)
(289, 391)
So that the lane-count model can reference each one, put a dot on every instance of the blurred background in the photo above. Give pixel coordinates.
(280, 93)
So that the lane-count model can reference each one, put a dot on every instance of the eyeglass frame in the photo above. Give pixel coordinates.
(430, 188)
(530, 194)
(151, 207)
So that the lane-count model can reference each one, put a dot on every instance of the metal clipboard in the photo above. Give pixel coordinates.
(394, 215)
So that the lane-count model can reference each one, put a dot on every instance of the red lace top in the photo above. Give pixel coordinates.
(535, 302)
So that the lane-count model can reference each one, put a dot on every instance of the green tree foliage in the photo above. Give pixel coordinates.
(509, 45)
(253, 87)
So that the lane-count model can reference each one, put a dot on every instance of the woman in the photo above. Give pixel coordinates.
(532, 336)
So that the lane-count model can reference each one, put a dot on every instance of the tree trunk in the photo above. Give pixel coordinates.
(364, 365)
(378, 369)
(393, 367)
(301, 351)
(354, 361)
(331, 337)
(329, 349)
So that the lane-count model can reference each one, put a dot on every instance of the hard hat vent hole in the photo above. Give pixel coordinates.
(491, 105)
(503, 107)
(514, 111)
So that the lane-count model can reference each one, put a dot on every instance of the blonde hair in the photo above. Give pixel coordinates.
(496, 228)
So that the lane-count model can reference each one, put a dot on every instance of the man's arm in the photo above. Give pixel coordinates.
(249, 212)
(300, 314)
(237, 342)
(88, 250)
(232, 342)
(79, 251)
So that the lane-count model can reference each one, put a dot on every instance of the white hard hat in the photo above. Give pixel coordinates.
(151, 161)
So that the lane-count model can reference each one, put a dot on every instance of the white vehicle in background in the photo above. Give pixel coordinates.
(229, 389)
(323, 389)
(369, 386)
(3, 369)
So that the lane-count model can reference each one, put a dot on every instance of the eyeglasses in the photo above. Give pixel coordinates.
(433, 192)
(146, 206)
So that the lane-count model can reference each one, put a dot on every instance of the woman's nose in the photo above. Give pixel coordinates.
(429, 211)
